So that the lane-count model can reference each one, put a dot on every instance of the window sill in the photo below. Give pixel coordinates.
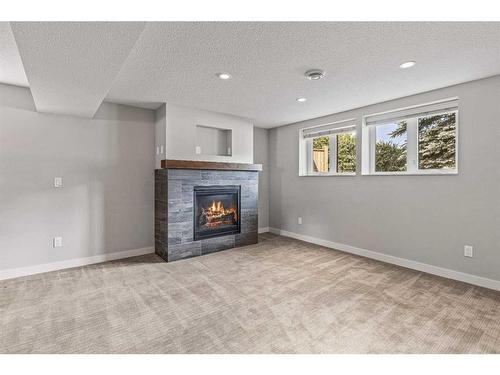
(327, 174)
(426, 173)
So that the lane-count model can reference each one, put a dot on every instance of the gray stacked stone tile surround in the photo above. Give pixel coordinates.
(174, 211)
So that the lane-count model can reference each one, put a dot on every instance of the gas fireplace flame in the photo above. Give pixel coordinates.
(216, 214)
(217, 208)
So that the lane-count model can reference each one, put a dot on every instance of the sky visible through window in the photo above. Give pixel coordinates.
(384, 134)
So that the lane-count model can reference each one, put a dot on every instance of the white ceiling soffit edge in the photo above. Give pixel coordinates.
(71, 65)
(137, 104)
(11, 66)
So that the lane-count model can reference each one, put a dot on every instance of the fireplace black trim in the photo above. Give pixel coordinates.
(216, 189)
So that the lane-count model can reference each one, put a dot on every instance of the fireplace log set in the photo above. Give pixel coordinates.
(216, 214)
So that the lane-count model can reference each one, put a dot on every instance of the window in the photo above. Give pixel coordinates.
(390, 147)
(346, 152)
(418, 140)
(437, 141)
(329, 149)
(321, 154)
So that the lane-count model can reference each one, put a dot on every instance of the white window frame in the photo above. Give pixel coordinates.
(369, 141)
(306, 147)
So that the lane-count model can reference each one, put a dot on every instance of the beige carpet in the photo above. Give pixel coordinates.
(279, 296)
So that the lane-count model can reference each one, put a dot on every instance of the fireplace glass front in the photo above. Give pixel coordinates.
(216, 211)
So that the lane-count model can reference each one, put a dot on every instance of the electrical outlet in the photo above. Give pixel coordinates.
(57, 242)
(468, 251)
(299, 220)
(58, 182)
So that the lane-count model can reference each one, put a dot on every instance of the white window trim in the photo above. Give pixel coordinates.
(369, 138)
(305, 150)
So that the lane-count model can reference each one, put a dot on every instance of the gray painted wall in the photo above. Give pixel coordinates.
(424, 218)
(160, 135)
(261, 156)
(106, 204)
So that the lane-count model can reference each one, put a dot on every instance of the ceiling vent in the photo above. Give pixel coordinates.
(314, 74)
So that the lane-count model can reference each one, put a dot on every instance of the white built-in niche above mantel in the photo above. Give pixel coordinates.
(195, 134)
(213, 141)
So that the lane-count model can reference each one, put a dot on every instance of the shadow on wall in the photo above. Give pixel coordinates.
(275, 180)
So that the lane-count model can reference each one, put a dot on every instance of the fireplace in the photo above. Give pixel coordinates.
(203, 207)
(216, 211)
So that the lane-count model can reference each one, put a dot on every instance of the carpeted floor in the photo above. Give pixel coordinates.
(280, 296)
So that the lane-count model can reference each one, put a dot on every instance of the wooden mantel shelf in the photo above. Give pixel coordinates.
(195, 164)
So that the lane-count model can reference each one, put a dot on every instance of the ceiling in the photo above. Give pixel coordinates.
(72, 67)
(11, 66)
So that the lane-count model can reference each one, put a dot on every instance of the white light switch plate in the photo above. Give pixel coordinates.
(57, 242)
(198, 150)
(468, 251)
(299, 220)
(58, 182)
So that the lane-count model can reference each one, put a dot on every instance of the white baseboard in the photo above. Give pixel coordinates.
(434, 270)
(54, 266)
(423, 267)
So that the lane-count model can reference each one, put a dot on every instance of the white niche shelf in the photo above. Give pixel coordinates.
(213, 141)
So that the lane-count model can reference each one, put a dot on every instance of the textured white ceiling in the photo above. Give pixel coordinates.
(11, 66)
(71, 65)
(177, 62)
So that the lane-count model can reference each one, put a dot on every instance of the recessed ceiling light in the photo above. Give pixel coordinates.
(301, 100)
(407, 64)
(314, 74)
(223, 75)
